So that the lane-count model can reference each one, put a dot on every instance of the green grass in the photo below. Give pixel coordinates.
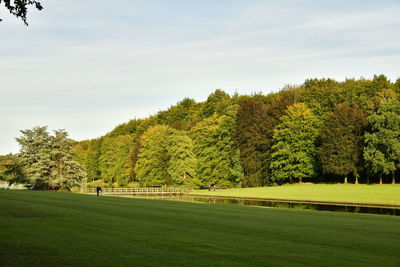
(383, 194)
(66, 229)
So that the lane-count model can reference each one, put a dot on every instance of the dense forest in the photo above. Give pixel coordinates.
(321, 131)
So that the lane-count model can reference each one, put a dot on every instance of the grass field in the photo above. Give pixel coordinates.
(383, 194)
(66, 229)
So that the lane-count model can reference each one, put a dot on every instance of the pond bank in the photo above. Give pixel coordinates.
(338, 203)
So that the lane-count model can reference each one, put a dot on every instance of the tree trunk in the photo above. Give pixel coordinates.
(393, 177)
(356, 179)
(345, 179)
(367, 178)
(300, 180)
(380, 180)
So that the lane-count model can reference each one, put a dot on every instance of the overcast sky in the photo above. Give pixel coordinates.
(87, 66)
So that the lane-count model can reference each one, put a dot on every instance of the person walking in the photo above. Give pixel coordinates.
(98, 190)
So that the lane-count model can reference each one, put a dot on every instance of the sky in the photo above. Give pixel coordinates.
(87, 66)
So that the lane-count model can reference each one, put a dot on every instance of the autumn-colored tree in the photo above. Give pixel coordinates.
(252, 132)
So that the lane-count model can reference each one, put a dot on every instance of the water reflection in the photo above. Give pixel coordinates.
(277, 204)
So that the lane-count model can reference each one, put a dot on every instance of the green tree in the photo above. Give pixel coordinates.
(35, 156)
(92, 160)
(153, 159)
(182, 160)
(382, 150)
(293, 155)
(65, 172)
(130, 163)
(47, 160)
(114, 157)
(19, 8)
(218, 156)
(342, 141)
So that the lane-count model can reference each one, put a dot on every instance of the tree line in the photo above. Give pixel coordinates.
(321, 131)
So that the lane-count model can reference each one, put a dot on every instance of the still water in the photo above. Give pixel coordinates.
(278, 204)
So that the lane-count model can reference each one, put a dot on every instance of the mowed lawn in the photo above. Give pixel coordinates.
(66, 229)
(382, 194)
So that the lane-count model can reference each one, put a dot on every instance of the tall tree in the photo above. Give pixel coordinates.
(216, 150)
(114, 157)
(65, 172)
(152, 163)
(47, 160)
(293, 155)
(382, 151)
(253, 139)
(182, 160)
(35, 155)
(92, 160)
(342, 141)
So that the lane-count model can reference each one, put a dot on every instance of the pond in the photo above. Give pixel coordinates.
(279, 204)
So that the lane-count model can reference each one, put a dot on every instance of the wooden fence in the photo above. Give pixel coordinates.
(139, 191)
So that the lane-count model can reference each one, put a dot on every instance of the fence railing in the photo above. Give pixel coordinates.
(143, 190)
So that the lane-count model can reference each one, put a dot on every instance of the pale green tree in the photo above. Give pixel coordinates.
(35, 155)
(47, 160)
(293, 149)
(65, 171)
